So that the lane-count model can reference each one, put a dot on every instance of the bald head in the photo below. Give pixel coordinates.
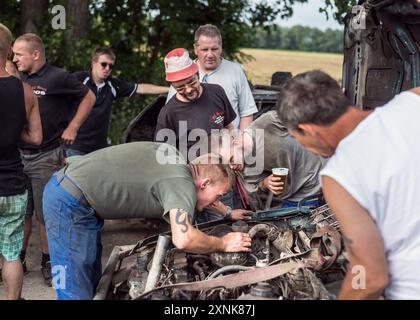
(5, 41)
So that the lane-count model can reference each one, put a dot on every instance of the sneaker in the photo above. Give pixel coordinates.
(46, 274)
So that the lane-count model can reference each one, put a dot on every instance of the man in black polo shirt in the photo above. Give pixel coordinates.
(93, 133)
(54, 88)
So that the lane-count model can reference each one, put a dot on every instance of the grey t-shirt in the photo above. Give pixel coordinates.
(127, 181)
(280, 150)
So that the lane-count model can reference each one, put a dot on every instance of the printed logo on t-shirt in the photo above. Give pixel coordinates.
(39, 91)
(218, 118)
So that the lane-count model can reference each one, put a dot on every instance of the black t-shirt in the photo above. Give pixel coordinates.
(92, 135)
(12, 121)
(211, 111)
(54, 88)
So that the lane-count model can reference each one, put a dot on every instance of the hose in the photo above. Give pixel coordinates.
(228, 269)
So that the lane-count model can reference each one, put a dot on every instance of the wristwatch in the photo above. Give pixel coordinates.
(228, 214)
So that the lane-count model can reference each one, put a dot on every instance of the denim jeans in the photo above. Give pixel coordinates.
(74, 240)
(70, 152)
(308, 203)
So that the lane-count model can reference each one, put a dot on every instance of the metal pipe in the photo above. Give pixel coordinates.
(118, 253)
(157, 262)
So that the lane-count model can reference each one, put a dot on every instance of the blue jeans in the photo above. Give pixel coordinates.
(307, 203)
(74, 241)
(74, 152)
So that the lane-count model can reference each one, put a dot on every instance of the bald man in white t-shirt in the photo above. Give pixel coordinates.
(371, 181)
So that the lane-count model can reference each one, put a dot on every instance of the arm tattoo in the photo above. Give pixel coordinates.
(181, 218)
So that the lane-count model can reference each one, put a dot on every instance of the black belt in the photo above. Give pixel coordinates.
(29, 152)
(67, 184)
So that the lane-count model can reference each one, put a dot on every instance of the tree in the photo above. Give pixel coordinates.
(32, 15)
(80, 23)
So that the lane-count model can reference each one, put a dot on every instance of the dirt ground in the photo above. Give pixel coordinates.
(114, 233)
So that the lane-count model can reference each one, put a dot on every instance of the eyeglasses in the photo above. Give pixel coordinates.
(105, 64)
(182, 88)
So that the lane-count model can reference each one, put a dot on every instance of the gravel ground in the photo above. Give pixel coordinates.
(117, 232)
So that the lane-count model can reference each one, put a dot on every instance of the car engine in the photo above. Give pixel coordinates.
(294, 256)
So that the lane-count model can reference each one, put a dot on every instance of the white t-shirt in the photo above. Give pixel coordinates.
(379, 165)
(231, 77)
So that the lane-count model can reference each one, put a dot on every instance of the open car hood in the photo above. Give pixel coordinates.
(381, 51)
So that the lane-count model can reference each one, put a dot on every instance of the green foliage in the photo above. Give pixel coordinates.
(299, 38)
(341, 8)
(9, 13)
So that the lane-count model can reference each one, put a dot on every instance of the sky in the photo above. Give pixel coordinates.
(307, 14)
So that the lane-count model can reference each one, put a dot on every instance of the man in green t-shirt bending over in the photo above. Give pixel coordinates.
(134, 180)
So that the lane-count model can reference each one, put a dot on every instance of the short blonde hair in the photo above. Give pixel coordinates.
(34, 41)
(212, 166)
(5, 40)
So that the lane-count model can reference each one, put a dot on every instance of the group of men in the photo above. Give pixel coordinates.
(369, 179)
(74, 110)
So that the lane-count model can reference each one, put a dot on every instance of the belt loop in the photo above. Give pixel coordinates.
(61, 174)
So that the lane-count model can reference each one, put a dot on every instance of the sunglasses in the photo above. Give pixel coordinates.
(105, 64)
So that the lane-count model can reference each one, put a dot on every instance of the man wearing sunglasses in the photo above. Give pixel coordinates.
(93, 134)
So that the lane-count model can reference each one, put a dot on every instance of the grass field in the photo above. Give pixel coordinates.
(266, 62)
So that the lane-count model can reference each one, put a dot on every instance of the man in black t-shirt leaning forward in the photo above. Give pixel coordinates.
(190, 115)
(93, 133)
(54, 88)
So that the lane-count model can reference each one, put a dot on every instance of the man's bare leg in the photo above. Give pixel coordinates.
(12, 274)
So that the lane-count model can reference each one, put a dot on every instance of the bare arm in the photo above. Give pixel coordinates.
(186, 237)
(85, 106)
(32, 133)
(237, 214)
(363, 242)
(416, 90)
(245, 122)
(147, 88)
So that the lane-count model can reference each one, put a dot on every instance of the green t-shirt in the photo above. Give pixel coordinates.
(134, 180)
